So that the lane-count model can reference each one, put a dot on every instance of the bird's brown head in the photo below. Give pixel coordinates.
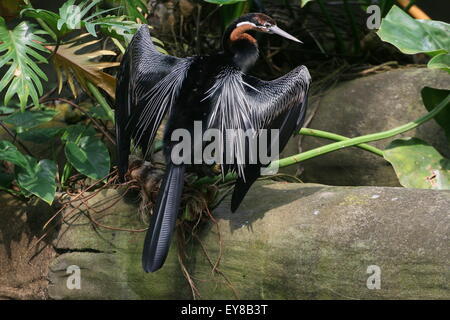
(239, 43)
(259, 22)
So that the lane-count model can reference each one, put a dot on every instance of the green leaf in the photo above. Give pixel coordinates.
(136, 10)
(19, 49)
(441, 61)
(413, 36)
(90, 157)
(73, 17)
(40, 135)
(29, 119)
(39, 178)
(76, 132)
(100, 13)
(9, 152)
(7, 110)
(118, 27)
(418, 165)
(69, 15)
(90, 27)
(49, 17)
(431, 97)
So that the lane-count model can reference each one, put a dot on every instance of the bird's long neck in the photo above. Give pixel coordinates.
(241, 46)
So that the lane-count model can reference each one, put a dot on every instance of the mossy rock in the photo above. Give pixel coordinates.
(287, 241)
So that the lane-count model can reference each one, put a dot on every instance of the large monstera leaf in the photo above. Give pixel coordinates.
(73, 66)
(19, 51)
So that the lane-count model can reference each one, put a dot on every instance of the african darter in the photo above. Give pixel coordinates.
(214, 90)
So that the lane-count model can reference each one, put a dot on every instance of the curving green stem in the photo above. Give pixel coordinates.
(305, 132)
(337, 137)
(362, 139)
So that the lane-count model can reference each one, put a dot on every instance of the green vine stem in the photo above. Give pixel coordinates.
(362, 139)
(337, 137)
(101, 100)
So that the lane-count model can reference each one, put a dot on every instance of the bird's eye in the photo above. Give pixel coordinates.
(267, 25)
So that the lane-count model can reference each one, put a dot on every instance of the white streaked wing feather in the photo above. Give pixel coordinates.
(231, 110)
(240, 105)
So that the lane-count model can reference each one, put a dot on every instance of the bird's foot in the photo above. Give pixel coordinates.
(147, 176)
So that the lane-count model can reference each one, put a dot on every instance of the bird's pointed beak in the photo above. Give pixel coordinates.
(284, 34)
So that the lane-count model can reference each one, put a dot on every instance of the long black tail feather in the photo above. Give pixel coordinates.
(159, 235)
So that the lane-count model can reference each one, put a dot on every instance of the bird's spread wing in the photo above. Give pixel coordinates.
(280, 103)
(147, 86)
(247, 103)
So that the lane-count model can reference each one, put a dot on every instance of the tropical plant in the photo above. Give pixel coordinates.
(413, 36)
(20, 52)
(55, 38)
(58, 38)
(417, 164)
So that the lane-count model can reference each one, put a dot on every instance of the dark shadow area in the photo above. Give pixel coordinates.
(258, 202)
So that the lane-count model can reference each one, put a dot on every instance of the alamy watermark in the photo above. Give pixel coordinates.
(71, 17)
(374, 280)
(374, 19)
(230, 146)
(74, 278)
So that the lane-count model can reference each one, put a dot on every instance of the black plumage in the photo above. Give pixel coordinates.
(214, 90)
